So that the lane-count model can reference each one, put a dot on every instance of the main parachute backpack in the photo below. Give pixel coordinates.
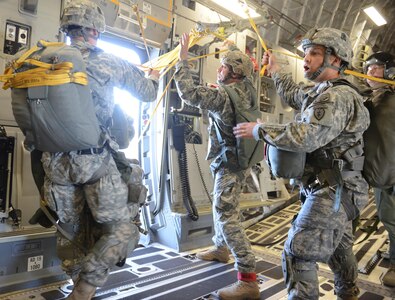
(249, 151)
(51, 100)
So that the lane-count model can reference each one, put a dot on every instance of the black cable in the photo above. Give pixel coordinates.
(185, 187)
(201, 175)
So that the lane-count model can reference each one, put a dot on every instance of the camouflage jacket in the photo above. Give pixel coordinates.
(332, 117)
(216, 101)
(107, 71)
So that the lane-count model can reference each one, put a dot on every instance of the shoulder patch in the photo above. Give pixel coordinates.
(319, 113)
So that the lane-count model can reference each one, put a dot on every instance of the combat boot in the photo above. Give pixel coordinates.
(82, 291)
(246, 289)
(347, 298)
(220, 254)
(349, 292)
(389, 277)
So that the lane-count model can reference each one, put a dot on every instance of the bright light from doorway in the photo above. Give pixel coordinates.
(375, 16)
(235, 6)
(300, 48)
(128, 103)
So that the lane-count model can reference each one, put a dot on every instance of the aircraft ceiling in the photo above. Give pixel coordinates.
(290, 19)
(346, 15)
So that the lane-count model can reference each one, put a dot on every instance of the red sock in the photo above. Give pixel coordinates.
(246, 276)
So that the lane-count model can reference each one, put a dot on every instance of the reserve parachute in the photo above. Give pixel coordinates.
(51, 99)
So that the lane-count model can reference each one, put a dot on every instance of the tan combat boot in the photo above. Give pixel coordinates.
(82, 291)
(389, 277)
(220, 254)
(242, 289)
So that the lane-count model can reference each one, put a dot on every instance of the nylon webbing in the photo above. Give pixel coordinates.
(43, 74)
(135, 9)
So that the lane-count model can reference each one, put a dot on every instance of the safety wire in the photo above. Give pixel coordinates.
(262, 72)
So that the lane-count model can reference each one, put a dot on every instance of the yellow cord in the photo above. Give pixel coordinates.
(156, 107)
(135, 9)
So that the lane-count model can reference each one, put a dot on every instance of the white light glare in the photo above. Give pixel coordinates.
(376, 17)
(234, 6)
(300, 48)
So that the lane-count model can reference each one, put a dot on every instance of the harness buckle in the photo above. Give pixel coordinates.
(338, 163)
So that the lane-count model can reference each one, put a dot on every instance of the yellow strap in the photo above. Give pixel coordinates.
(357, 74)
(168, 60)
(287, 54)
(156, 107)
(40, 45)
(253, 25)
(189, 59)
(62, 65)
(22, 80)
(44, 74)
(135, 9)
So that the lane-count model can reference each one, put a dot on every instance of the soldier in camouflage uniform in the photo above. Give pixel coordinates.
(84, 187)
(234, 71)
(379, 168)
(333, 119)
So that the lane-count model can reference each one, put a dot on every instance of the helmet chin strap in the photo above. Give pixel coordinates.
(227, 77)
(87, 34)
(325, 64)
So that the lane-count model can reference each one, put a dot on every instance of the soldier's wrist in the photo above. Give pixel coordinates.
(258, 133)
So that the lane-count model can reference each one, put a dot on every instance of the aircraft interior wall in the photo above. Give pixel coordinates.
(172, 146)
(123, 29)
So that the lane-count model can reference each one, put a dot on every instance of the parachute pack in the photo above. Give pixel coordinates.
(51, 100)
(379, 167)
(285, 164)
(248, 151)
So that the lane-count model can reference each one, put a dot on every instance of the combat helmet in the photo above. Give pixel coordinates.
(240, 62)
(335, 41)
(84, 13)
(382, 58)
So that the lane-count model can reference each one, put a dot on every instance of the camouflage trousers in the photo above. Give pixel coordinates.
(320, 234)
(95, 214)
(385, 204)
(226, 215)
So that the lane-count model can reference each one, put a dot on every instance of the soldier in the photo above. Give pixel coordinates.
(84, 187)
(379, 168)
(234, 71)
(333, 119)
